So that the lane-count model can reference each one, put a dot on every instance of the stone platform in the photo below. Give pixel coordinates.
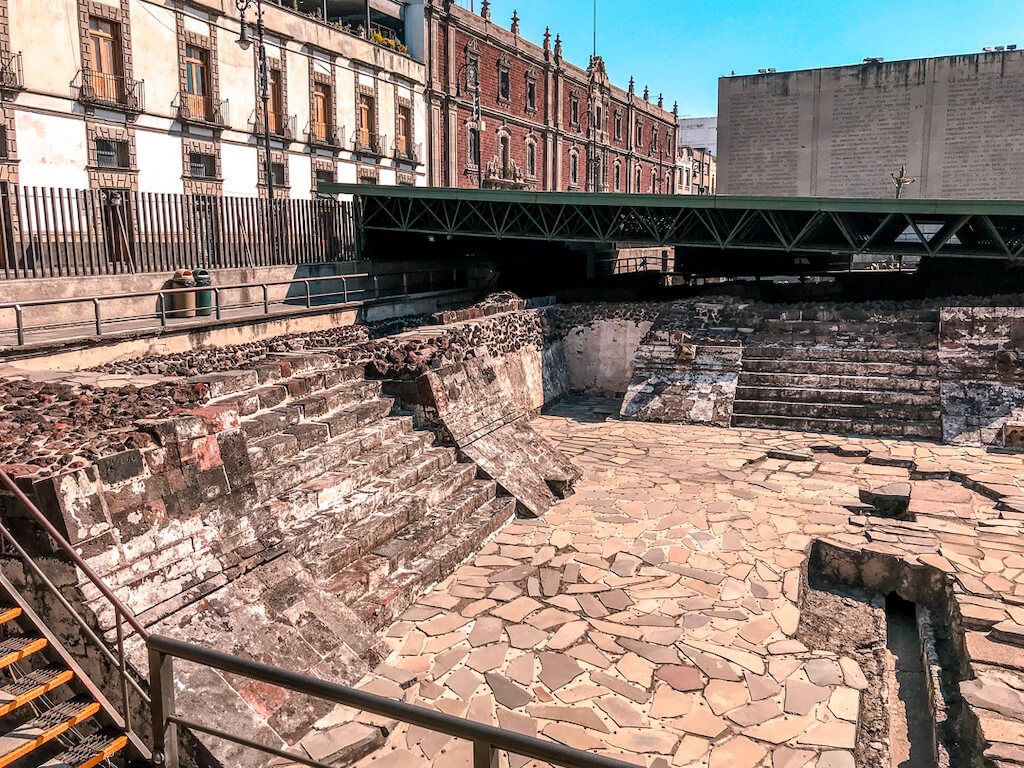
(663, 614)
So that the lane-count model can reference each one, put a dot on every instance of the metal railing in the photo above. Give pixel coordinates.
(440, 279)
(487, 740)
(11, 77)
(326, 134)
(368, 142)
(105, 89)
(202, 109)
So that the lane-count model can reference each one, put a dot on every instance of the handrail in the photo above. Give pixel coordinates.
(485, 738)
(69, 550)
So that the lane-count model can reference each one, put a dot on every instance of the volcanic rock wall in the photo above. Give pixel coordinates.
(981, 372)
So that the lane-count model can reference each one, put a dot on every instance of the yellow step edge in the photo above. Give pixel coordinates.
(107, 752)
(16, 754)
(36, 692)
(7, 614)
(36, 645)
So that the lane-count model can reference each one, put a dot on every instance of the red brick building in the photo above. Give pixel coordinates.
(547, 124)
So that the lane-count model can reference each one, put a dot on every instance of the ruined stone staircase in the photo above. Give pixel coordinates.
(843, 376)
(48, 719)
(368, 505)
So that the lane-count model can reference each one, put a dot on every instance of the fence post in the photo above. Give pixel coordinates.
(161, 300)
(19, 318)
(99, 323)
(344, 289)
(309, 302)
(266, 300)
(216, 301)
(405, 283)
(161, 689)
(484, 755)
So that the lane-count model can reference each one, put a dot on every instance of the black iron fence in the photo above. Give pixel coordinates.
(54, 232)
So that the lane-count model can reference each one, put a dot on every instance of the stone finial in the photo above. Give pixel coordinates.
(547, 38)
(647, 93)
(485, 10)
(632, 85)
(515, 22)
(558, 46)
(675, 108)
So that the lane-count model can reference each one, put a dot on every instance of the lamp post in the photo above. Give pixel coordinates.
(263, 81)
(477, 118)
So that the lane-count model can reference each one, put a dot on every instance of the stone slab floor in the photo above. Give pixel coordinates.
(652, 616)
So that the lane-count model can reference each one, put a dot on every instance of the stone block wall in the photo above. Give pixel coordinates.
(981, 372)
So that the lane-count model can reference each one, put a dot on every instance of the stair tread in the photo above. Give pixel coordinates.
(19, 692)
(89, 752)
(48, 725)
(15, 648)
(9, 613)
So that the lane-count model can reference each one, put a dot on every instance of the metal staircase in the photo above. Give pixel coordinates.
(51, 713)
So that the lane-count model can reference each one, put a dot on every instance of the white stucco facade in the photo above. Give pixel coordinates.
(60, 135)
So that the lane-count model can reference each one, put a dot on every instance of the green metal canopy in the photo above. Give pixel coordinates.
(828, 227)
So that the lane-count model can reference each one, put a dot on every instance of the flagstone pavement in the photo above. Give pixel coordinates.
(651, 616)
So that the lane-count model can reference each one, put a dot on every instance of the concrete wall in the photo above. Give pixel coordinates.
(953, 121)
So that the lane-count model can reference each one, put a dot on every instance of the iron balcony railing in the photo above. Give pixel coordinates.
(11, 76)
(326, 134)
(281, 125)
(114, 91)
(409, 152)
(368, 142)
(165, 719)
(194, 108)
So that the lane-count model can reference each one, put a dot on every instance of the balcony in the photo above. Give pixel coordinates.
(326, 135)
(281, 126)
(409, 153)
(499, 175)
(11, 76)
(101, 89)
(368, 143)
(202, 109)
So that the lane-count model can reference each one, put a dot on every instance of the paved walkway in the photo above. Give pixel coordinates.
(653, 616)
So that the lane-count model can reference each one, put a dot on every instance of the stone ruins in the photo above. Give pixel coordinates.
(713, 532)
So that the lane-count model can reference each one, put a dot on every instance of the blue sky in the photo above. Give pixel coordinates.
(681, 47)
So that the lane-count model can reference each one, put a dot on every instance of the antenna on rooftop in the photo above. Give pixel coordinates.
(595, 27)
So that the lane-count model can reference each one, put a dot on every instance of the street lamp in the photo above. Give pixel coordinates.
(477, 118)
(263, 81)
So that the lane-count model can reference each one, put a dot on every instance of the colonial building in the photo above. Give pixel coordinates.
(159, 97)
(698, 171)
(544, 124)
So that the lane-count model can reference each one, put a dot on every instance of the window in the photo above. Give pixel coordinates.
(686, 177)
(105, 50)
(597, 121)
(531, 95)
(639, 180)
(202, 166)
(531, 160)
(574, 111)
(366, 113)
(197, 83)
(277, 170)
(402, 131)
(504, 87)
(472, 72)
(473, 148)
(111, 153)
(324, 176)
(276, 104)
(618, 177)
(639, 134)
(321, 112)
(5, 153)
(574, 169)
(618, 127)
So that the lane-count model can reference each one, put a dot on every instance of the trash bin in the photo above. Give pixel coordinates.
(204, 299)
(183, 304)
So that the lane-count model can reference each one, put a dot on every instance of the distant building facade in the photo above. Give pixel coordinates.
(547, 124)
(146, 96)
(954, 122)
(701, 132)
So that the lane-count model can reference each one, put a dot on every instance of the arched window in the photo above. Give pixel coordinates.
(618, 177)
(531, 159)
(574, 168)
(639, 181)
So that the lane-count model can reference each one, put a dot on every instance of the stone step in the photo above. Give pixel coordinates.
(837, 410)
(867, 354)
(274, 447)
(386, 601)
(847, 314)
(849, 396)
(883, 428)
(376, 515)
(837, 381)
(884, 325)
(326, 457)
(838, 367)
